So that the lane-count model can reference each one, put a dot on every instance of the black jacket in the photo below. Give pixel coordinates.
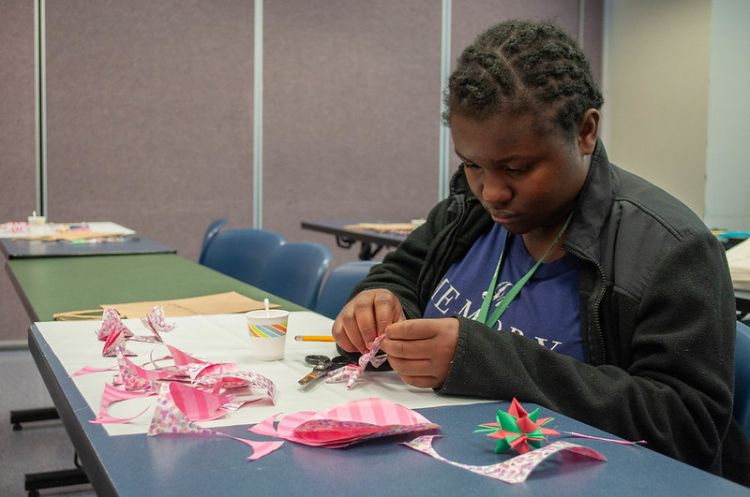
(656, 311)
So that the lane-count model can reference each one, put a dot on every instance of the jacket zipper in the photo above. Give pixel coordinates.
(603, 289)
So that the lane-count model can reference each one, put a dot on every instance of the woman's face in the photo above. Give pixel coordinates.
(527, 180)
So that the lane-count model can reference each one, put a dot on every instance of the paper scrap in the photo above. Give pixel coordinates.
(515, 470)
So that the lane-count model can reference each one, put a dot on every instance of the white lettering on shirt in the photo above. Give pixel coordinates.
(439, 287)
(446, 298)
(543, 342)
(445, 294)
(465, 311)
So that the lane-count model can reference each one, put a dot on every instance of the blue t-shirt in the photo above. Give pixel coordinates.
(546, 310)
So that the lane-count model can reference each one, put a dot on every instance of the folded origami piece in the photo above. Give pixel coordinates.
(517, 429)
(352, 372)
(157, 323)
(346, 424)
(116, 341)
(111, 323)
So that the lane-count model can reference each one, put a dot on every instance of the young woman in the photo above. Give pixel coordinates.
(552, 275)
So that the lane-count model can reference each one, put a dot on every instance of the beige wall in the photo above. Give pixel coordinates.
(656, 88)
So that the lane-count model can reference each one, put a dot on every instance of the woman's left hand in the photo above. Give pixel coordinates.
(421, 350)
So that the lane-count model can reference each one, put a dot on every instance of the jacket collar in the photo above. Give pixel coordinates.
(592, 207)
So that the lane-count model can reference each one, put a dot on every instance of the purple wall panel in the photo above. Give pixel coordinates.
(471, 17)
(17, 136)
(149, 114)
(351, 112)
(593, 35)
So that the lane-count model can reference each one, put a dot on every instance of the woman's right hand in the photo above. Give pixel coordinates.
(365, 317)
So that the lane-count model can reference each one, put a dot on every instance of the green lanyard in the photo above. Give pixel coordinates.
(516, 289)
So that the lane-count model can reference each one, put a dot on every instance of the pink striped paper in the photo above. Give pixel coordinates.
(346, 424)
(115, 341)
(198, 405)
(168, 419)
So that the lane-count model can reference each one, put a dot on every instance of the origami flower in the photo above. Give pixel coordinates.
(517, 429)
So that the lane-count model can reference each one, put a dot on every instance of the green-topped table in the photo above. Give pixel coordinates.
(50, 285)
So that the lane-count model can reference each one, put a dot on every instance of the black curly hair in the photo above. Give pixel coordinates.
(519, 67)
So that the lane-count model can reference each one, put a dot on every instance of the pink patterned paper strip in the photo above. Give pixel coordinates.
(217, 369)
(183, 358)
(515, 470)
(168, 419)
(260, 449)
(106, 419)
(111, 395)
(602, 439)
(90, 369)
(132, 377)
(15, 227)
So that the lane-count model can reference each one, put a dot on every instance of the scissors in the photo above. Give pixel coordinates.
(321, 365)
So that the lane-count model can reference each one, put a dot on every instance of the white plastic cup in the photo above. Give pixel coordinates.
(37, 224)
(267, 330)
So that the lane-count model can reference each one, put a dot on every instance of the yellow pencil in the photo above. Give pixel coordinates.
(313, 338)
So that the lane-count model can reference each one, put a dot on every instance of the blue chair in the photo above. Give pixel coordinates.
(742, 378)
(242, 253)
(339, 285)
(209, 235)
(295, 271)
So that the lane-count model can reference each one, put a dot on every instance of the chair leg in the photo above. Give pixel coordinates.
(34, 482)
(29, 415)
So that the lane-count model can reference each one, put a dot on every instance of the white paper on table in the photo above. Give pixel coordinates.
(738, 258)
(110, 228)
(224, 338)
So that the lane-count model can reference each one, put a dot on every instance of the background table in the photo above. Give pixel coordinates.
(50, 285)
(371, 242)
(16, 249)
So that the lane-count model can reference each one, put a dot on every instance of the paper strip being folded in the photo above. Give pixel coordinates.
(514, 470)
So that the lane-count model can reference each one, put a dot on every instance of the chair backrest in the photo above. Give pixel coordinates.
(742, 378)
(339, 285)
(242, 252)
(295, 271)
(209, 235)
